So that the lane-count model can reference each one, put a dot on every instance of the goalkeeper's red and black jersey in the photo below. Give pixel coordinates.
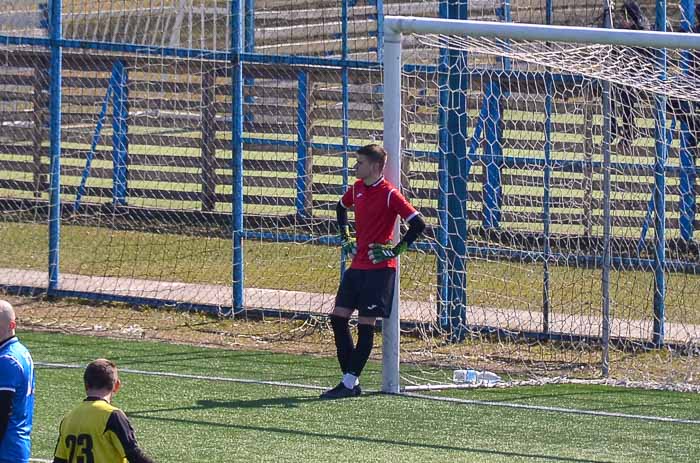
(95, 431)
(376, 207)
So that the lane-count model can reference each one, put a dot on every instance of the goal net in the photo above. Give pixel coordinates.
(557, 170)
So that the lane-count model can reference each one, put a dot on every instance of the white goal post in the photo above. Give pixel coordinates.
(395, 26)
(394, 29)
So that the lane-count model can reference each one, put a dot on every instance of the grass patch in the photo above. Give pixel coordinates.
(195, 420)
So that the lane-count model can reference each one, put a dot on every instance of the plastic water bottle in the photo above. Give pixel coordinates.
(464, 376)
(469, 376)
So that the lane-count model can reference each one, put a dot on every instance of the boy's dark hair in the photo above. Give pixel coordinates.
(375, 153)
(100, 374)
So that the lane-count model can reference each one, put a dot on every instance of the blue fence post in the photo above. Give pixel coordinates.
(303, 198)
(344, 29)
(443, 186)
(55, 149)
(380, 29)
(660, 222)
(237, 155)
(457, 195)
(493, 155)
(688, 183)
(444, 314)
(493, 151)
(504, 14)
(546, 200)
(547, 180)
(120, 134)
(660, 191)
(688, 140)
(345, 90)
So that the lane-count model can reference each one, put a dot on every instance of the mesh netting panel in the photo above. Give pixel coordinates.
(504, 141)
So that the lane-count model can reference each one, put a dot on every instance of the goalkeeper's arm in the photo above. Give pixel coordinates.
(341, 215)
(379, 252)
(347, 243)
(415, 227)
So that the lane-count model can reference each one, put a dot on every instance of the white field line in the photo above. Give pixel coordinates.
(543, 408)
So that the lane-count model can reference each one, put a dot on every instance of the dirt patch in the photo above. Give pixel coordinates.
(431, 352)
(117, 320)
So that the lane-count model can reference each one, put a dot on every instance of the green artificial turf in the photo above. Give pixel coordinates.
(195, 420)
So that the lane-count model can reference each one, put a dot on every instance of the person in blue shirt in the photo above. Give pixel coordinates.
(16, 391)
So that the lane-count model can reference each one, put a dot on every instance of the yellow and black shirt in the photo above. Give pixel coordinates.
(95, 432)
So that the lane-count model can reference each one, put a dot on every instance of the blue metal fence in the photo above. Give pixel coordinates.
(457, 151)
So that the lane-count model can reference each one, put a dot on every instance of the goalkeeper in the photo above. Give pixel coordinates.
(368, 285)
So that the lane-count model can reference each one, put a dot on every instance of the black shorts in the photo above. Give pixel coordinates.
(371, 292)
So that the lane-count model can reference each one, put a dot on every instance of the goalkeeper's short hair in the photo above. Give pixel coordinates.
(375, 153)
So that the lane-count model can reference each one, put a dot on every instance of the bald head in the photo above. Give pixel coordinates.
(7, 320)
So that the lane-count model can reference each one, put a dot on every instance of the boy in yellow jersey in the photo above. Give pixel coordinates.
(95, 431)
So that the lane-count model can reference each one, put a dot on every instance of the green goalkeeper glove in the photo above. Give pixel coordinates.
(348, 243)
(380, 252)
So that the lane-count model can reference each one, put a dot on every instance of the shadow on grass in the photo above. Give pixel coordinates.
(274, 402)
(295, 401)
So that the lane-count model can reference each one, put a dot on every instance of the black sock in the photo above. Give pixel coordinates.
(343, 341)
(365, 340)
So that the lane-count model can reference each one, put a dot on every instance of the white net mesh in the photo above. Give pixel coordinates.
(643, 69)
(504, 145)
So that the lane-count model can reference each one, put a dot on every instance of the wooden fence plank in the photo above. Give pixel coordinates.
(201, 107)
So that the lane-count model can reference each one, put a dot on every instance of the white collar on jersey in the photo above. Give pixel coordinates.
(379, 180)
